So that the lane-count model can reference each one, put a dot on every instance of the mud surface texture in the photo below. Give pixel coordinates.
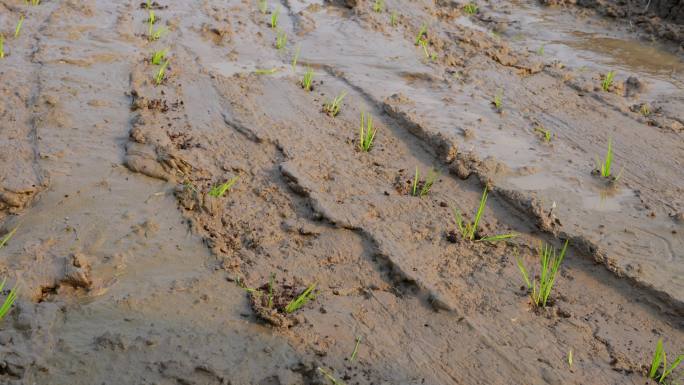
(315, 263)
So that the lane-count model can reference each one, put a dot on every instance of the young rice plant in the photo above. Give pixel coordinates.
(17, 29)
(274, 18)
(468, 230)
(220, 190)
(605, 168)
(281, 39)
(332, 107)
(307, 79)
(159, 56)
(608, 80)
(660, 359)
(366, 132)
(379, 5)
(301, 300)
(161, 74)
(9, 300)
(549, 263)
(2, 46)
(470, 8)
(427, 184)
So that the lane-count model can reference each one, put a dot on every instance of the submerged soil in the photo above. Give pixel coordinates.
(131, 272)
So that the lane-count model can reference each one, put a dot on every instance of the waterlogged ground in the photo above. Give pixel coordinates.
(130, 272)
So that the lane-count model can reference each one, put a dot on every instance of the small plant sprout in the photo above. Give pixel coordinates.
(33, 2)
(220, 190)
(148, 4)
(274, 18)
(424, 45)
(270, 290)
(307, 79)
(659, 357)
(546, 135)
(301, 300)
(9, 300)
(570, 357)
(393, 19)
(2, 46)
(295, 58)
(604, 168)
(470, 8)
(262, 5)
(422, 34)
(356, 349)
(549, 263)
(281, 39)
(421, 188)
(379, 5)
(161, 74)
(332, 107)
(645, 110)
(607, 81)
(262, 71)
(156, 34)
(158, 57)
(330, 377)
(7, 237)
(17, 29)
(468, 230)
(366, 132)
(498, 100)
(540, 50)
(152, 18)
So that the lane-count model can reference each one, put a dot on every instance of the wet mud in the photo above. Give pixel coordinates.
(133, 268)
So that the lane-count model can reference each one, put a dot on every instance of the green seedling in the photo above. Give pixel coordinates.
(468, 230)
(295, 58)
(307, 79)
(498, 100)
(332, 107)
(7, 237)
(356, 349)
(366, 132)
(148, 4)
(262, 5)
(281, 39)
(540, 50)
(570, 357)
(274, 18)
(158, 57)
(379, 5)
(330, 377)
(156, 34)
(470, 8)
(424, 44)
(161, 74)
(301, 300)
(393, 19)
(9, 300)
(152, 18)
(219, 190)
(608, 80)
(660, 359)
(2, 46)
(266, 71)
(17, 29)
(550, 262)
(241, 284)
(645, 110)
(422, 34)
(546, 134)
(604, 168)
(32, 2)
(426, 184)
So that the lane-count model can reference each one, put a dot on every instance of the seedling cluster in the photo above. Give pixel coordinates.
(422, 188)
(549, 263)
(469, 230)
(220, 190)
(333, 106)
(366, 132)
(659, 369)
(607, 81)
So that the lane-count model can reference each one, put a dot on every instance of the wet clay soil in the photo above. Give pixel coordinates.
(131, 272)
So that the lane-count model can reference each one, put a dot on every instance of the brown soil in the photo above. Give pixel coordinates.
(130, 271)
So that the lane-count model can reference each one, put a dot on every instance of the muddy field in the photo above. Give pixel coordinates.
(132, 268)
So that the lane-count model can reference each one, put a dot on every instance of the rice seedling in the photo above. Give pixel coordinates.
(468, 230)
(570, 357)
(470, 8)
(332, 107)
(152, 18)
(604, 168)
(549, 261)
(645, 110)
(608, 80)
(281, 39)
(540, 50)
(2, 46)
(158, 57)
(356, 349)
(32, 2)
(379, 5)
(660, 359)
(422, 34)
(426, 184)
(301, 300)
(9, 300)
(161, 74)
(7, 237)
(366, 132)
(498, 100)
(148, 4)
(266, 71)
(275, 15)
(307, 79)
(219, 190)
(156, 34)
(17, 29)
(393, 19)
(262, 5)
(424, 44)
(270, 290)
(295, 58)
(330, 377)
(241, 284)
(546, 134)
